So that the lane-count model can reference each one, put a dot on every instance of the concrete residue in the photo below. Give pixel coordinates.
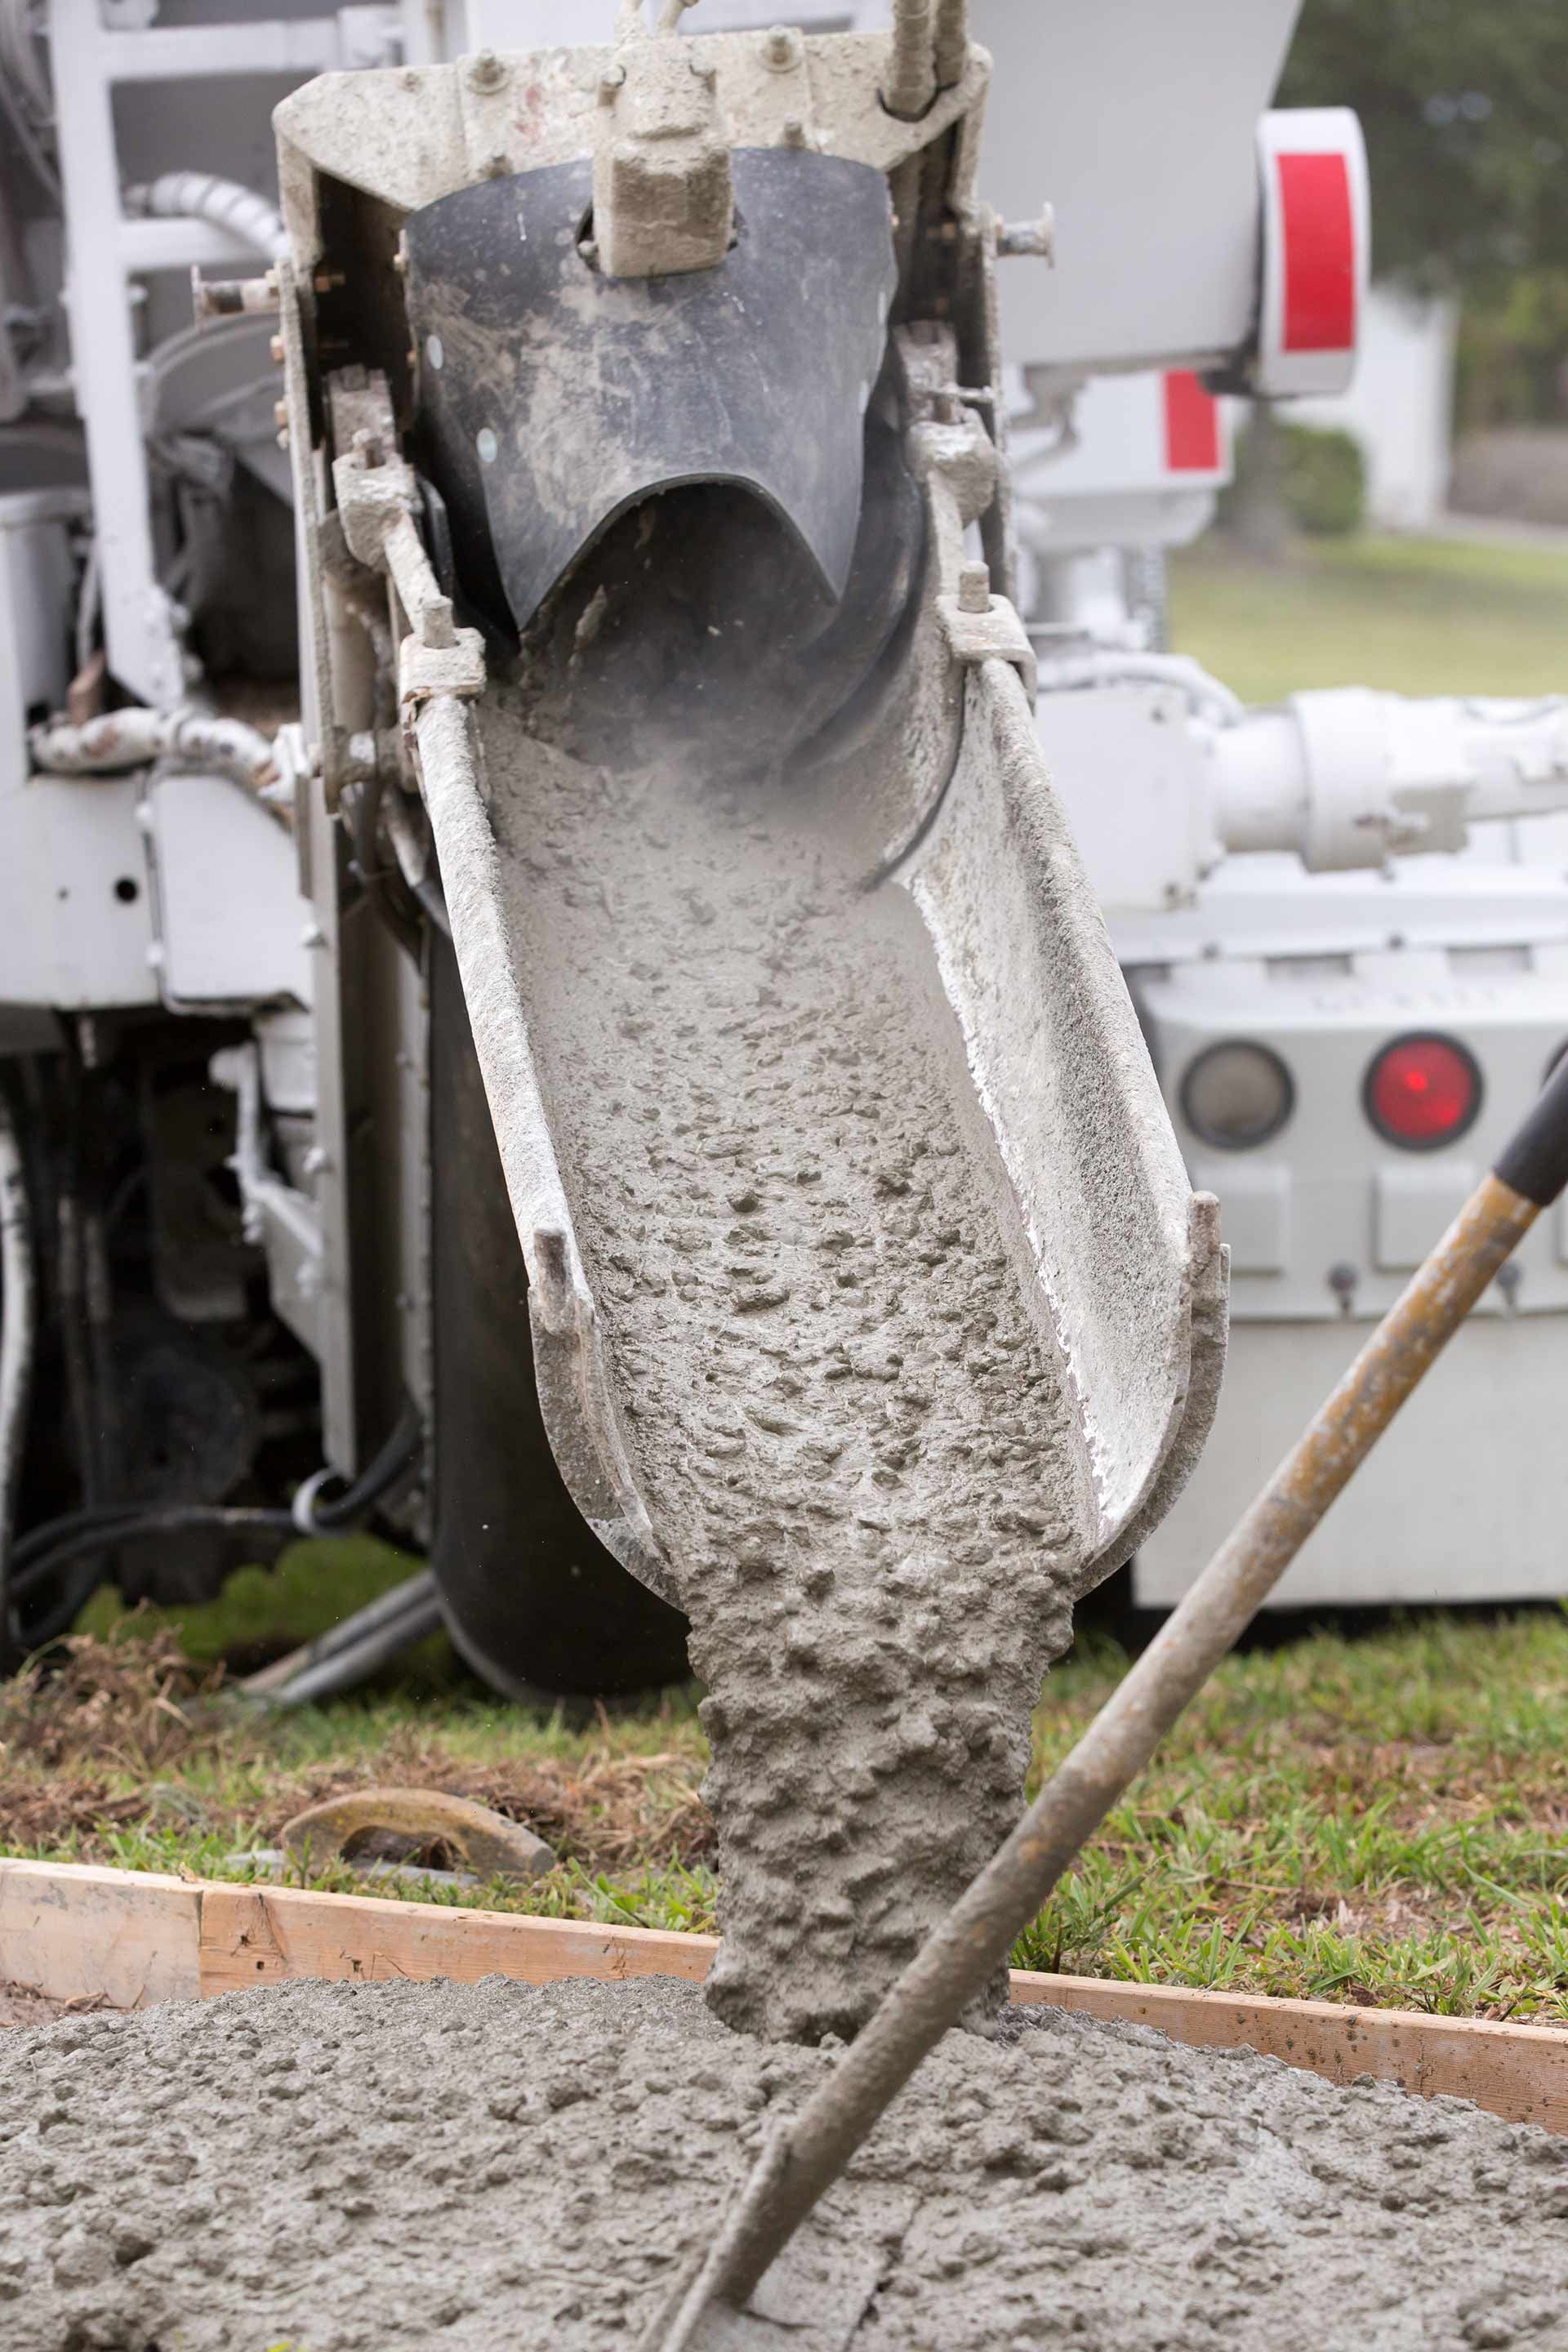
(838, 1390)
(390, 2167)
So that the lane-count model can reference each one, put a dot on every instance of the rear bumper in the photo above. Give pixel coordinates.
(1464, 1499)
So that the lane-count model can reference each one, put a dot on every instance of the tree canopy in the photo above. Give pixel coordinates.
(1464, 108)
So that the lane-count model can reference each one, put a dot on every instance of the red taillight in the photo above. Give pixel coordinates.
(1423, 1091)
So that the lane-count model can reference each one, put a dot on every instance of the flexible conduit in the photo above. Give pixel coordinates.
(202, 195)
(123, 740)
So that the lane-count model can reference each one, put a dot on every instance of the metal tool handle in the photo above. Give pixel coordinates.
(958, 1959)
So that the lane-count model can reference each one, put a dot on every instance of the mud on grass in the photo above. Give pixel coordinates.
(1374, 1819)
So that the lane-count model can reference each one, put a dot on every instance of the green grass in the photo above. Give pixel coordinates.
(1367, 1818)
(1412, 615)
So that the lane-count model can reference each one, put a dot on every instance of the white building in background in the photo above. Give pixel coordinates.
(1400, 406)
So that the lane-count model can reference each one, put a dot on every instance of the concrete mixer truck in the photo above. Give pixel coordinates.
(549, 996)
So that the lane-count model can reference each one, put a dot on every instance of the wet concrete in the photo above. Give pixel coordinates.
(841, 1393)
(366, 2169)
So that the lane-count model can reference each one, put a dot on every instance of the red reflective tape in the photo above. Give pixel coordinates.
(1192, 425)
(1320, 253)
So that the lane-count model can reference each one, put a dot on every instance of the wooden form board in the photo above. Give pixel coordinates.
(73, 1932)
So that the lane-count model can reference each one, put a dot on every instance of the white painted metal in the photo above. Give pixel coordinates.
(138, 630)
(230, 922)
(1110, 480)
(36, 595)
(75, 931)
(1462, 1499)
(1137, 122)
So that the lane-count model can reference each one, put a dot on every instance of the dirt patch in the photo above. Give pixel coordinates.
(484, 2166)
(138, 1703)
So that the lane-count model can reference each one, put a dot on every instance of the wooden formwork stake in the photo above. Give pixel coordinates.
(810, 2150)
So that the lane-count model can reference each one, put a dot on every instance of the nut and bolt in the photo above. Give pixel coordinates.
(276, 348)
(487, 72)
(975, 588)
(279, 413)
(793, 131)
(611, 79)
(779, 48)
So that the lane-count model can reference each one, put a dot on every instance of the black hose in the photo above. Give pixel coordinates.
(86, 1534)
(397, 1456)
(109, 1529)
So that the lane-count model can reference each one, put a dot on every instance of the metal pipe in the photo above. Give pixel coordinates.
(408, 1614)
(18, 1342)
(961, 1957)
(911, 86)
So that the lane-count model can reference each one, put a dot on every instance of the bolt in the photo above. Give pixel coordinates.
(327, 282)
(276, 348)
(975, 588)
(793, 131)
(283, 438)
(411, 80)
(279, 413)
(703, 70)
(497, 166)
(611, 79)
(1343, 1282)
(487, 72)
(778, 47)
(400, 259)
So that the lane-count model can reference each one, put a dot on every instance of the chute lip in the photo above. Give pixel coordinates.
(655, 488)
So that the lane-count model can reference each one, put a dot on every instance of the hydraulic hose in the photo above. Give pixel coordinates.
(84, 1535)
(203, 196)
(18, 1340)
(133, 738)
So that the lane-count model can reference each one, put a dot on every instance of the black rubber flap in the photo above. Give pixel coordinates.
(552, 398)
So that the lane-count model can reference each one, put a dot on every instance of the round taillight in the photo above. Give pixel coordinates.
(1236, 1095)
(1423, 1091)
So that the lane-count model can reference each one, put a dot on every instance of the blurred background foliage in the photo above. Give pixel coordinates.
(1464, 108)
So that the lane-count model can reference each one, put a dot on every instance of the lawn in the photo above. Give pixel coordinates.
(1413, 615)
(1367, 1818)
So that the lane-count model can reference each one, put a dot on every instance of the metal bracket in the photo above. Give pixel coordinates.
(981, 627)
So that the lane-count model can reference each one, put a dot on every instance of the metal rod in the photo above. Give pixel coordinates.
(959, 1958)
(910, 85)
(389, 1608)
(951, 44)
